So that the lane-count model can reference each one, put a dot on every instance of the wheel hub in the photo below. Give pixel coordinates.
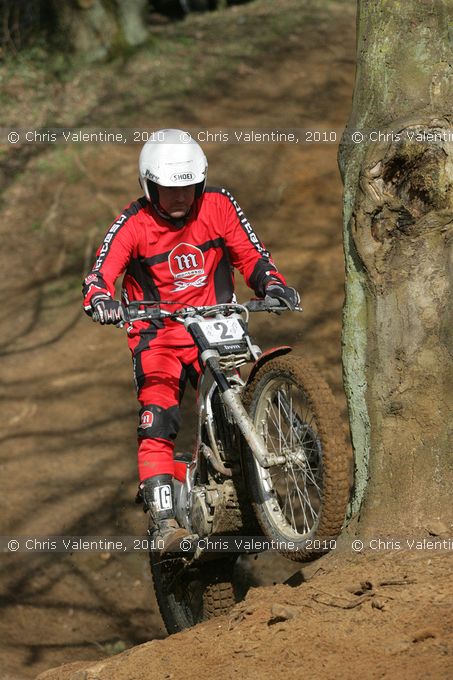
(297, 456)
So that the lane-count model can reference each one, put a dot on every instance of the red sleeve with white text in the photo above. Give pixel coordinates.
(113, 255)
(248, 253)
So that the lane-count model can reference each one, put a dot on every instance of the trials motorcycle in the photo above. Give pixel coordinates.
(270, 459)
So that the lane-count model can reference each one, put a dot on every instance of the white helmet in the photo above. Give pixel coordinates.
(171, 158)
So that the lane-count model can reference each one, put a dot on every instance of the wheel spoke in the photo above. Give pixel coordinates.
(276, 420)
(305, 491)
(302, 505)
(291, 429)
(307, 472)
(293, 523)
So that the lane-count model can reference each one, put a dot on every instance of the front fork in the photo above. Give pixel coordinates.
(232, 401)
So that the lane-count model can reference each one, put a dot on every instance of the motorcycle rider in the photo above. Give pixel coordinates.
(176, 244)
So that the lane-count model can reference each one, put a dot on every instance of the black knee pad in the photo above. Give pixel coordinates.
(159, 423)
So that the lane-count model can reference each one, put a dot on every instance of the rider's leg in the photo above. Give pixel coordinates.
(160, 373)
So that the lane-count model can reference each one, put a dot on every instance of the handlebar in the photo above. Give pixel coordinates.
(152, 311)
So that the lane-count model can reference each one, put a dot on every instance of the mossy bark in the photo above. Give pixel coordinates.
(98, 28)
(398, 223)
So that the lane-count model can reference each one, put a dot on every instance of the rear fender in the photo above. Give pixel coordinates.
(267, 356)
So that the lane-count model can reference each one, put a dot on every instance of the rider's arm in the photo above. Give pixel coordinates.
(248, 254)
(112, 257)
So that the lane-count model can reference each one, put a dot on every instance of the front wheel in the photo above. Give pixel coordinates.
(301, 503)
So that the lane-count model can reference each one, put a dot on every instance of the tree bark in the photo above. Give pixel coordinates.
(398, 224)
(96, 28)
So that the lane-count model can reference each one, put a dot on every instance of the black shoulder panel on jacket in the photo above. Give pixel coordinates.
(214, 190)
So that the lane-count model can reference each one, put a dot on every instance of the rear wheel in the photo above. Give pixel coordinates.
(303, 501)
(188, 595)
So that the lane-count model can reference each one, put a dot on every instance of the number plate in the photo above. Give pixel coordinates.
(222, 332)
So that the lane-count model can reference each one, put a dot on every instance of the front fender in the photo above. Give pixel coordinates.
(267, 356)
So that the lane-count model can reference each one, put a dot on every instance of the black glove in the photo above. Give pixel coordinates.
(108, 310)
(284, 294)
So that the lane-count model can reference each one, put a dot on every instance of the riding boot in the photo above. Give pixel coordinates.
(158, 498)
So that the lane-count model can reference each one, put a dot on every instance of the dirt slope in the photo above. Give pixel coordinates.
(386, 615)
(67, 459)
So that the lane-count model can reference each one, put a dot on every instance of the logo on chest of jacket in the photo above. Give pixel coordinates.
(186, 263)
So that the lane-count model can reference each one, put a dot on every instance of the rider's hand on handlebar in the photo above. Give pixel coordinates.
(284, 294)
(107, 309)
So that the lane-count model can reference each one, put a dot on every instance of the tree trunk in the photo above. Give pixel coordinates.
(96, 28)
(398, 221)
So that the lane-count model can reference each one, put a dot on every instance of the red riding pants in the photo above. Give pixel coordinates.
(161, 374)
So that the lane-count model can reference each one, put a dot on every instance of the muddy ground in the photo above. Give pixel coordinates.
(384, 615)
(69, 413)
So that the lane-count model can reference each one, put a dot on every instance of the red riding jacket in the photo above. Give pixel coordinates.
(190, 265)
